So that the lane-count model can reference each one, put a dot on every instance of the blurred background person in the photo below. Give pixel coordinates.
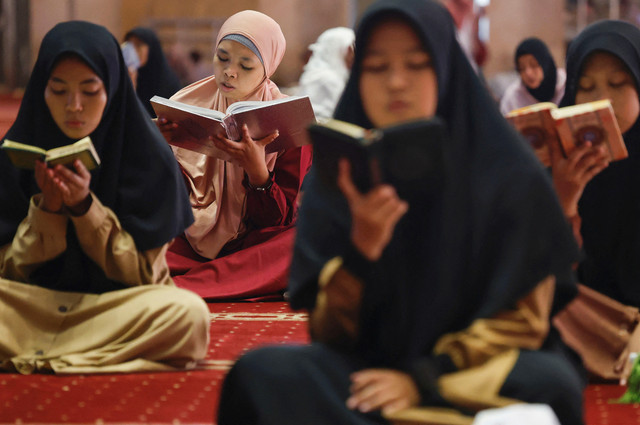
(540, 80)
(327, 70)
(155, 76)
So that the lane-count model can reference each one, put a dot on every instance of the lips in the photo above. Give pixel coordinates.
(74, 123)
(397, 105)
(226, 87)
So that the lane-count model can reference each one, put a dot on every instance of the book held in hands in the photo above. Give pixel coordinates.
(25, 156)
(290, 116)
(407, 155)
(544, 123)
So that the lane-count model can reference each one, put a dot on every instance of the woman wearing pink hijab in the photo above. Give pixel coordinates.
(240, 243)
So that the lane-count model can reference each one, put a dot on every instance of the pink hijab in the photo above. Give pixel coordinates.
(215, 186)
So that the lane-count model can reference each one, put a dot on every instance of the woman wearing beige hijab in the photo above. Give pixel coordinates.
(245, 209)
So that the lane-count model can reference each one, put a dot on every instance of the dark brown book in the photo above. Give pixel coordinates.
(407, 155)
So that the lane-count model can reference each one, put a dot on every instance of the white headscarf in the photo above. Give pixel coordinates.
(326, 72)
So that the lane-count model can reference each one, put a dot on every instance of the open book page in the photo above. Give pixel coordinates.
(289, 116)
(593, 122)
(25, 156)
(22, 155)
(83, 150)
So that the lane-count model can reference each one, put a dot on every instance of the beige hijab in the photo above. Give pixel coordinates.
(215, 186)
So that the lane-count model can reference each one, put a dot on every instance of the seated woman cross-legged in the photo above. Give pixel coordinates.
(84, 283)
(245, 209)
(437, 296)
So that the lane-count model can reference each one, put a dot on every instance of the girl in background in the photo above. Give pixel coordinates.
(154, 75)
(540, 80)
(327, 70)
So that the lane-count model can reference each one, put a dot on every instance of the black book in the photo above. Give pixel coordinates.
(408, 155)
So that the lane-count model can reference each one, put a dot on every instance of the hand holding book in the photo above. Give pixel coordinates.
(571, 174)
(373, 214)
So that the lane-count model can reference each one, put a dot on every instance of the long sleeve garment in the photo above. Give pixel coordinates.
(41, 237)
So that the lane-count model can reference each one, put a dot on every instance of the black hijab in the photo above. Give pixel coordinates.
(138, 179)
(474, 246)
(536, 47)
(610, 204)
(156, 76)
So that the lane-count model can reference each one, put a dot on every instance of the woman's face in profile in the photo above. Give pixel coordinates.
(398, 82)
(76, 97)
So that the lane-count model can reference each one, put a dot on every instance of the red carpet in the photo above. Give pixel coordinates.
(190, 398)
(151, 398)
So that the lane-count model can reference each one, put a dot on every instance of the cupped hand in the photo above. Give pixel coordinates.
(374, 214)
(167, 128)
(571, 175)
(73, 186)
(248, 153)
(382, 389)
(51, 195)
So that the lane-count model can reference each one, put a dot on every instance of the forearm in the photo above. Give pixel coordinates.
(39, 238)
(275, 203)
(103, 239)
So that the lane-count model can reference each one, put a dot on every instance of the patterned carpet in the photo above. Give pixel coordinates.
(152, 398)
(190, 398)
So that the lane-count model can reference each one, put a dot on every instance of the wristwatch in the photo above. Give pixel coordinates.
(264, 187)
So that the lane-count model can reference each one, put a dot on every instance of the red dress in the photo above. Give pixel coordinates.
(255, 266)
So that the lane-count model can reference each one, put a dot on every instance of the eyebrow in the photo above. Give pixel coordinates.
(242, 58)
(87, 81)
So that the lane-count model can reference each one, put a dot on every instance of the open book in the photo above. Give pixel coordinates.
(290, 116)
(544, 123)
(25, 156)
(408, 155)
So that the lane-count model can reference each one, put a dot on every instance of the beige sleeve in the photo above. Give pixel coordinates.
(524, 327)
(39, 238)
(334, 320)
(104, 240)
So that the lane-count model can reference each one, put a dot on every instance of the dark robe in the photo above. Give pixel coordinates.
(138, 179)
(468, 248)
(610, 204)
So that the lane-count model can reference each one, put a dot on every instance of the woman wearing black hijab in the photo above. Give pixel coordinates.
(410, 300)
(84, 282)
(540, 80)
(155, 76)
(601, 198)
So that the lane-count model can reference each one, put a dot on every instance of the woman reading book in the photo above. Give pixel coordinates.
(439, 299)
(84, 282)
(245, 209)
(601, 199)
(539, 78)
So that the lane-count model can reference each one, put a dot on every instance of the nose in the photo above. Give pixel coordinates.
(230, 71)
(397, 78)
(74, 102)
